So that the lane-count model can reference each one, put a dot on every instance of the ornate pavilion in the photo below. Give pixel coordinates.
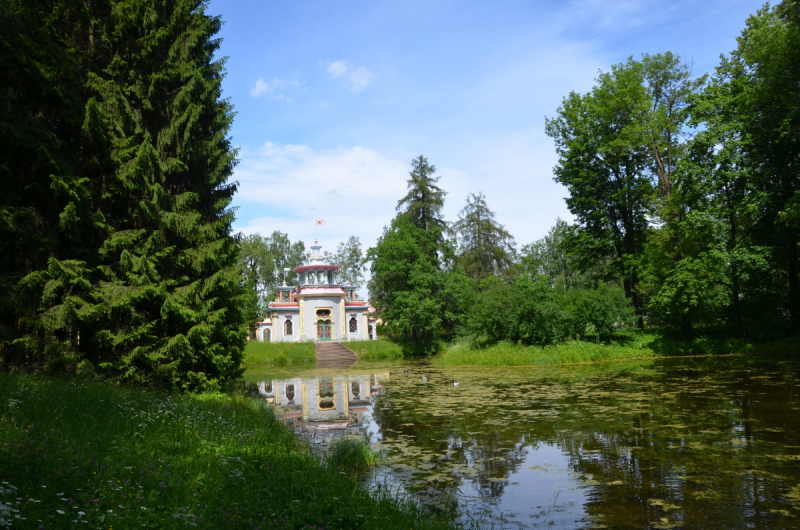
(319, 308)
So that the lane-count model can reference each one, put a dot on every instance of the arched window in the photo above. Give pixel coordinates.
(353, 325)
(290, 392)
(287, 327)
(323, 313)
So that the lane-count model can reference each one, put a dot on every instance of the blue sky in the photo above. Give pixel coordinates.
(334, 99)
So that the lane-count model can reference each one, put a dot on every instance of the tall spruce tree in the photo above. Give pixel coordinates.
(136, 268)
(170, 292)
(47, 220)
(424, 202)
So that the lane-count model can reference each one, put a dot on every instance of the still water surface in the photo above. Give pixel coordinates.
(690, 443)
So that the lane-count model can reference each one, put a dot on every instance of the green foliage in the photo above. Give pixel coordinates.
(485, 246)
(604, 308)
(263, 261)
(350, 258)
(134, 269)
(405, 282)
(604, 161)
(125, 458)
(550, 257)
(528, 312)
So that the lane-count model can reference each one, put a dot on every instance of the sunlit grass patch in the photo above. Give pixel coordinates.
(376, 349)
(278, 353)
(74, 451)
(626, 344)
(509, 354)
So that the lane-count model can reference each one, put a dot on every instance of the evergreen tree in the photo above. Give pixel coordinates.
(170, 301)
(424, 201)
(136, 268)
(47, 219)
(485, 246)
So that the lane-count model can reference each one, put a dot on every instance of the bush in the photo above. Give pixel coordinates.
(605, 308)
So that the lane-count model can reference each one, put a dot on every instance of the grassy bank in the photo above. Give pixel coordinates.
(376, 349)
(83, 454)
(627, 344)
(278, 353)
(303, 352)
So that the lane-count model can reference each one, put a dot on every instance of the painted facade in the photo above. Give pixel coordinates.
(319, 308)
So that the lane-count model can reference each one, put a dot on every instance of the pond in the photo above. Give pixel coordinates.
(690, 443)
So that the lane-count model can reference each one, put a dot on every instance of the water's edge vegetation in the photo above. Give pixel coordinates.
(87, 451)
(303, 352)
(624, 345)
(629, 344)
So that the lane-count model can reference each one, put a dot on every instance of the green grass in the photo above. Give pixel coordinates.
(278, 353)
(85, 454)
(351, 455)
(626, 344)
(376, 349)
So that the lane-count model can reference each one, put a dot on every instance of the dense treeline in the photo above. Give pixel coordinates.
(115, 245)
(684, 190)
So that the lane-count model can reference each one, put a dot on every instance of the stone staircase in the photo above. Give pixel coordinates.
(334, 355)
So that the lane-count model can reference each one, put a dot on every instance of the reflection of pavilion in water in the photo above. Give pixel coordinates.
(339, 399)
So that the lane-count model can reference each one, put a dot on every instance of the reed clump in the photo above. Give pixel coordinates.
(353, 455)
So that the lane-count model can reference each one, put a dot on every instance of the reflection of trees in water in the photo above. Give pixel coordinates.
(691, 447)
(697, 458)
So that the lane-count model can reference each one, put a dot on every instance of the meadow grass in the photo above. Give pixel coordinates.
(86, 454)
(626, 344)
(278, 353)
(382, 348)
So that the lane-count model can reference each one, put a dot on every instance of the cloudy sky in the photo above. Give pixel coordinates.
(335, 98)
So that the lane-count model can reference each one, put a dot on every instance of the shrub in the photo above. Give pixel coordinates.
(605, 308)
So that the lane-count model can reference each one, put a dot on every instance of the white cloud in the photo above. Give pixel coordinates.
(272, 88)
(358, 77)
(354, 189)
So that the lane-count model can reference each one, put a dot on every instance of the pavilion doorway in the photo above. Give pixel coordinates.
(324, 330)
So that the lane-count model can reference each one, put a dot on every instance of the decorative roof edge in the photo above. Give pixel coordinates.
(321, 266)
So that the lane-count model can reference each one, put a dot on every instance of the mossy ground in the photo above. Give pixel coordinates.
(86, 454)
